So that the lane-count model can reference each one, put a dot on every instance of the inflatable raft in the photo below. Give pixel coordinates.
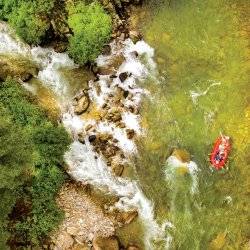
(220, 152)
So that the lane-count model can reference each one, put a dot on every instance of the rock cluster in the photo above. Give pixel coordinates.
(105, 145)
(84, 220)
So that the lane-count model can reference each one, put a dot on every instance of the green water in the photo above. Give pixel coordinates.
(201, 47)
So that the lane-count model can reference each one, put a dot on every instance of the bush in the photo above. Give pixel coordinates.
(51, 143)
(31, 152)
(45, 214)
(91, 27)
(6, 7)
(28, 23)
(16, 162)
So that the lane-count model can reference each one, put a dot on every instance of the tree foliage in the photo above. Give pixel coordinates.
(31, 152)
(91, 27)
(15, 162)
(29, 18)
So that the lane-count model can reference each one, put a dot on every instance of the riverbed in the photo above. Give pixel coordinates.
(202, 55)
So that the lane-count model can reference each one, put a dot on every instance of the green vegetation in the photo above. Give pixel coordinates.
(31, 155)
(30, 19)
(40, 20)
(91, 27)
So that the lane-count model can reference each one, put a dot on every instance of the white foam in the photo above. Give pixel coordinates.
(195, 94)
(174, 163)
(11, 44)
(127, 145)
(132, 121)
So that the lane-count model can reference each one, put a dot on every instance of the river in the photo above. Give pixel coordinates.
(202, 54)
(192, 82)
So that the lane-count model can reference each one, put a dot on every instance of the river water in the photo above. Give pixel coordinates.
(202, 54)
(195, 84)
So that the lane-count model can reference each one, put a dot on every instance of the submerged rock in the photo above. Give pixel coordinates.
(219, 242)
(82, 103)
(110, 243)
(182, 155)
(126, 217)
(16, 68)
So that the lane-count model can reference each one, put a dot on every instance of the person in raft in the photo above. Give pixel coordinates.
(220, 153)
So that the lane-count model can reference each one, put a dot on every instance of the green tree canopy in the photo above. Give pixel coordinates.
(16, 161)
(91, 27)
(31, 155)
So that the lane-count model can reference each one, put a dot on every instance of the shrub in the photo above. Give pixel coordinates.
(45, 214)
(91, 27)
(31, 151)
(16, 162)
(28, 23)
(51, 142)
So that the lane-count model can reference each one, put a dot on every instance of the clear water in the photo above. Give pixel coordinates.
(203, 89)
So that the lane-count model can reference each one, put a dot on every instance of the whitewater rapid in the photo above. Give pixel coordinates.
(84, 164)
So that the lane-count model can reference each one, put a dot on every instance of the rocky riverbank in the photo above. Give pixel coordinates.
(108, 116)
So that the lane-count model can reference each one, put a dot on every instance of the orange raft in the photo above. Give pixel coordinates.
(220, 152)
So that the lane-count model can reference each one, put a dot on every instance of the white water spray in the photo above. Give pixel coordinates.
(84, 164)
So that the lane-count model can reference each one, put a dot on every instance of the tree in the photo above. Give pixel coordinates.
(27, 22)
(31, 155)
(16, 162)
(51, 142)
(92, 29)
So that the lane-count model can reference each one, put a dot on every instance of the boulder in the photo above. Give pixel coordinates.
(135, 36)
(106, 50)
(92, 138)
(132, 247)
(60, 46)
(80, 246)
(125, 93)
(182, 155)
(130, 133)
(17, 68)
(72, 231)
(134, 53)
(110, 243)
(81, 137)
(126, 217)
(82, 103)
(123, 76)
(117, 169)
(114, 115)
(64, 242)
